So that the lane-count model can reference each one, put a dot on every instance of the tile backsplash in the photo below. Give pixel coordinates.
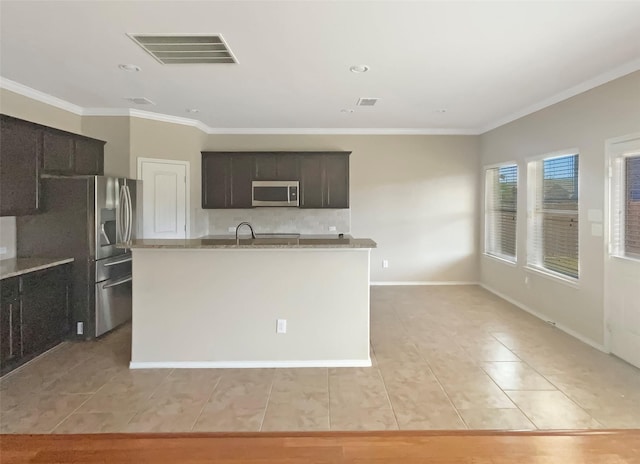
(282, 220)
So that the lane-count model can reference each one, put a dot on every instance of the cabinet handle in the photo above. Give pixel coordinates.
(10, 330)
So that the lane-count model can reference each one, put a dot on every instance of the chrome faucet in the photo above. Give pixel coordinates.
(253, 235)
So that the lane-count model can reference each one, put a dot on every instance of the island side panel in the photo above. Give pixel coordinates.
(218, 307)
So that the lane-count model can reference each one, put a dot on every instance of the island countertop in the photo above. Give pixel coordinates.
(213, 241)
(19, 266)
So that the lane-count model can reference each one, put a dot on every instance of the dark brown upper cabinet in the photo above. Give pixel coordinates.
(89, 156)
(226, 180)
(227, 177)
(68, 154)
(28, 150)
(276, 166)
(216, 181)
(324, 180)
(57, 152)
(20, 155)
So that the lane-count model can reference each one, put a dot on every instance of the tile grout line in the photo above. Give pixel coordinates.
(267, 403)
(150, 396)
(546, 379)
(206, 402)
(432, 373)
(328, 399)
(386, 392)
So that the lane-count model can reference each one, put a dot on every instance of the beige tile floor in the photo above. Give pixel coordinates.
(444, 358)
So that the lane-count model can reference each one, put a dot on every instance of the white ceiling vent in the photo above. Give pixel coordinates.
(367, 101)
(185, 48)
(140, 101)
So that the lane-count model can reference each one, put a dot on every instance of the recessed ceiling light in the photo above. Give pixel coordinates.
(129, 67)
(346, 110)
(359, 68)
(192, 110)
(442, 110)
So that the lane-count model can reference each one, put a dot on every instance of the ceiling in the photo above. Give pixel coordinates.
(485, 63)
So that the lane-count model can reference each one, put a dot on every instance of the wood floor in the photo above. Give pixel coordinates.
(459, 447)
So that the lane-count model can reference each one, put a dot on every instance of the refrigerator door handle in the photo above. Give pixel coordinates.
(129, 213)
(117, 282)
(121, 261)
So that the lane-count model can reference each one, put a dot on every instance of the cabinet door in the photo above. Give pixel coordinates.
(57, 152)
(20, 152)
(216, 173)
(45, 309)
(242, 173)
(287, 167)
(336, 179)
(311, 181)
(89, 157)
(266, 166)
(10, 337)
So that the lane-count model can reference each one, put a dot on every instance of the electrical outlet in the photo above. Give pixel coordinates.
(332, 228)
(3, 250)
(281, 326)
(231, 229)
(80, 328)
(385, 263)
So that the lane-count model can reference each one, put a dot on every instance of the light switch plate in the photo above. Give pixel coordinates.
(281, 326)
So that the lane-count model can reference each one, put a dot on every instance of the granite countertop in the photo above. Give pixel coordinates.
(18, 266)
(222, 241)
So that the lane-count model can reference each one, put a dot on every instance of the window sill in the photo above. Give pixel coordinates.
(632, 259)
(506, 261)
(574, 283)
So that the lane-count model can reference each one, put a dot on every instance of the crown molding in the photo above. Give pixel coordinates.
(340, 131)
(42, 97)
(142, 114)
(620, 71)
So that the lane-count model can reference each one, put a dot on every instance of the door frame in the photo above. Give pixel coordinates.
(187, 187)
(611, 152)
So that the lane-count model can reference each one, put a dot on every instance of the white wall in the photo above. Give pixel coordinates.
(584, 121)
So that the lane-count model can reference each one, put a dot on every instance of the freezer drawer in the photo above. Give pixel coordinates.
(111, 268)
(113, 303)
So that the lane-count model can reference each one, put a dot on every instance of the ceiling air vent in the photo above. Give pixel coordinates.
(140, 101)
(367, 101)
(185, 48)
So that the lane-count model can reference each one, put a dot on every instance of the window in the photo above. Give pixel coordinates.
(626, 197)
(501, 211)
(553, 219)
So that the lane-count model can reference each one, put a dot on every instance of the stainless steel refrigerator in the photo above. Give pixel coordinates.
(84, 218)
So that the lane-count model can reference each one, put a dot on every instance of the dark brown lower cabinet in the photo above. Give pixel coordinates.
(10, 317)
(34, 314)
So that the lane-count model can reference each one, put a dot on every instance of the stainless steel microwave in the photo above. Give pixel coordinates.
(275, 193)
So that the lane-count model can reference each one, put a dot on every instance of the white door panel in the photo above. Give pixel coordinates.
(164, 195)
(622, 273)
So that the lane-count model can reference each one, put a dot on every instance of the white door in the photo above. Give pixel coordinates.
(622, 270)
(164, 196)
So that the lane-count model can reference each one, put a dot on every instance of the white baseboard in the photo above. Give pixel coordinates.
(248, 364)
(541, 316)
(450, 282)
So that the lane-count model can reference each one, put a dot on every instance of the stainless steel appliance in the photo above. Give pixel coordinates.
(84, 218)
(275, 193)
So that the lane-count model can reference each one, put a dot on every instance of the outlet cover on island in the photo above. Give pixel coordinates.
(281, 326)
(385, 263)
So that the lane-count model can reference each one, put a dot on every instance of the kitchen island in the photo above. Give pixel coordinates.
(216, 302)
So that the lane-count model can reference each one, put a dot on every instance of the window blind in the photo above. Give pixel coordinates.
(632, 206)
(501, 211)
(553, 228)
